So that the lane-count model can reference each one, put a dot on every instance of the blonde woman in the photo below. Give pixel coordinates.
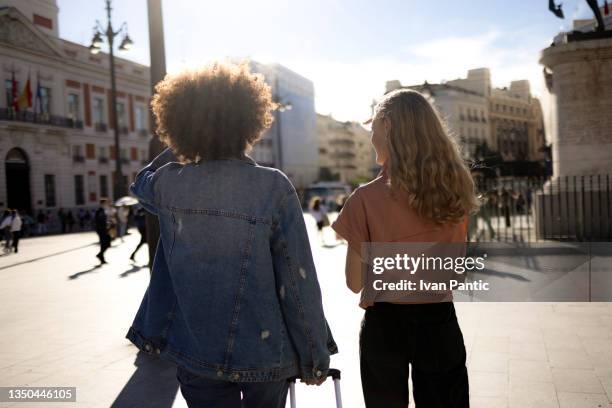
(424, 193)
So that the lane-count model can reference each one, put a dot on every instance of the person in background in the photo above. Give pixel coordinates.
(140, 221)
(87, 217)
(62, 219)
(81, 218)
(41, 223)
(5, 229)
(101, 224)
(423, 194)
(70, 221)
(16, 224)
(319, 213)
(123, 213)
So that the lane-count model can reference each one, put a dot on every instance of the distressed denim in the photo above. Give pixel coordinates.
(234, 293)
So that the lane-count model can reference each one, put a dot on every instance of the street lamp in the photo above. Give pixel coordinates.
(119, 187)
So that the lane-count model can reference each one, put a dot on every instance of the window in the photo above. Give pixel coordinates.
(140, 116)
(73, 107)
(90, 151)
(45, 100)
(103, 185)
(124, 154)
(121, 116)
(143, 155)
(77, 151)
(50, 190)
(91, 184)
(98, 110)
(103, 152)
(79, 193)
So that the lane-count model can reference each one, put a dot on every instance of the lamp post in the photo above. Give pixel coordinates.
(280, 107)
(158, 71)
(119, 187)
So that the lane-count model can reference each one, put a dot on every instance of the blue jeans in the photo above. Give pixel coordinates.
(201, 392)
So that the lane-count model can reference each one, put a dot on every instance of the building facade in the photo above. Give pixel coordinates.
(291, 143)
(508, 121)
(517, 125)
(58, 147)
(345, 151)
(463, 103)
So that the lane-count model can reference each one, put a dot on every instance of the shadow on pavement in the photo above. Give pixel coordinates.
(76, 275)
(47, 256)
(153, 384)
(133, 269)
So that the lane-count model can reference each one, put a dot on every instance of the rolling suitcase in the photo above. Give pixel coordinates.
(333, 373)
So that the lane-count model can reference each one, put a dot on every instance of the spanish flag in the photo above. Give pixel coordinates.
(25, 99)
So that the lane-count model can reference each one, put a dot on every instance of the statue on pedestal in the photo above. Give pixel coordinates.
(558, 11)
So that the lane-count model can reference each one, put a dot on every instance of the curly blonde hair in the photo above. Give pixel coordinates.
(425, 162)
(214, 112)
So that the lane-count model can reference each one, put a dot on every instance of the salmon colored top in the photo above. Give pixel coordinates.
(372, 214)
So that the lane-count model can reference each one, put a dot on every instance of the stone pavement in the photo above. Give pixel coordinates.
(63, 323)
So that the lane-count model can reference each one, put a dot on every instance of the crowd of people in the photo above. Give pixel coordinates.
(108, 221)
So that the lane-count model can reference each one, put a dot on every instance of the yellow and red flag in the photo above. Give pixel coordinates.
(25, 99)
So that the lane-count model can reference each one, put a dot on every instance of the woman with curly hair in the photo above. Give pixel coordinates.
(234, 298)
(424, 193)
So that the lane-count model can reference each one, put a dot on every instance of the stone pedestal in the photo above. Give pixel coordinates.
(580, 80)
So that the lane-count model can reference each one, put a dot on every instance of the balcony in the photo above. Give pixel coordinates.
(103, 160)
(342, 142)
(100, 127)
(39, 119)
(143, 132)
(125, 160)
(78, 159)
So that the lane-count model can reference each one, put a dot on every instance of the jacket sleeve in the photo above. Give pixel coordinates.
(299, 291)
(143, 186)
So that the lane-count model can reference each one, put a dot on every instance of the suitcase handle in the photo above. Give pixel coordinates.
(333, 373)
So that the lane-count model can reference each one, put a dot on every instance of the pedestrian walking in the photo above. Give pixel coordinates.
(5, 229)
(41, 223)
(101, 223)
(233, 250)
(61, 215)
(319, 213)
(141, 225)
(81, 218)
(16, 224)
(424, 193)
(70, 221)
(123, 214)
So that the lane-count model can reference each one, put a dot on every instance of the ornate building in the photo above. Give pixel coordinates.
(56, 139)
(345, 151)
(508, 121)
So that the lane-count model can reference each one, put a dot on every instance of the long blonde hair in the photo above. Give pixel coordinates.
(425, 161)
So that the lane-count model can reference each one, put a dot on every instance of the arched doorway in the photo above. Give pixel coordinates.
(18, 180)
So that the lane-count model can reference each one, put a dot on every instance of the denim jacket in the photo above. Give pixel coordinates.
(234, 293)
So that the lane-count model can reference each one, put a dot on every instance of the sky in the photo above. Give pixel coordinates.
(348, 48)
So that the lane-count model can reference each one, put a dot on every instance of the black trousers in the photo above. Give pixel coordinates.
(16, 237)
(105, 241)
(426, 337)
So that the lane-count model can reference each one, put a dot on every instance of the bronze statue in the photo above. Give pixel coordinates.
(557, 11)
